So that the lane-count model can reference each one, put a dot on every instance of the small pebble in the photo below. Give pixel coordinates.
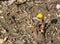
(37, 1)
(5, 38)
(4, 31)
(35, 18)
(30, 26)
(2, 41)
(58, 37)
(49, 15)
(1, 17)
(58, 15)
(1, 11)
(21, 1)
(56, 28)
(54, 34)
(11, 2)
(58, 6)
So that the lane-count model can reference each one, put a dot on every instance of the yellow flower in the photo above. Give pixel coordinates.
(40, 16)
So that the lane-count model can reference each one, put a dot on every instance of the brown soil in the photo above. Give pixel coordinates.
(18, 23)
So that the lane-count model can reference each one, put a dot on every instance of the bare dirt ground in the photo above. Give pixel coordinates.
(18, 23)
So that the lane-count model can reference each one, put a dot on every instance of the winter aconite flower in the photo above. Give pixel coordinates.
(41, 16)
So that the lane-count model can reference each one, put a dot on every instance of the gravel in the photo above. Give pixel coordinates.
(19, 25)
